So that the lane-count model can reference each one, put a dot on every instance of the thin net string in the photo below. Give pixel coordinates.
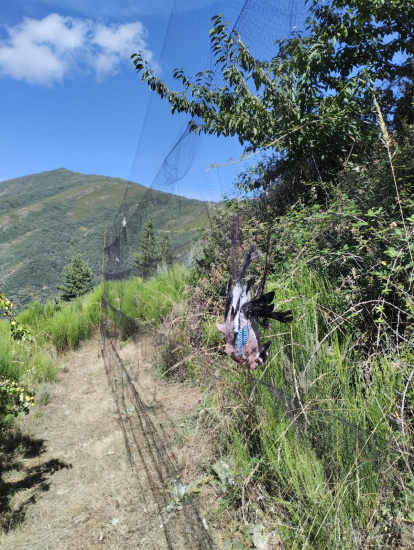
(182, 175)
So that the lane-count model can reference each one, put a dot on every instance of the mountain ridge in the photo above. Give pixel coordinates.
(49, 217)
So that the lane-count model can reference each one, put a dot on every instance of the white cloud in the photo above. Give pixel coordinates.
(115, 43)
(49, 50)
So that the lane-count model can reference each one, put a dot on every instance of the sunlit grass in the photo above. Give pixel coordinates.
(316, 427)
(148, 302)
(58, 327)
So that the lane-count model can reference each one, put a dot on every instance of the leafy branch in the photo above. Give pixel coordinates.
(18, 332)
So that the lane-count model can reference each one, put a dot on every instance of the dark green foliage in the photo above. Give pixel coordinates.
(314, 99)
(78, 279)
(153, 252)
(14, 399)
(368, 32)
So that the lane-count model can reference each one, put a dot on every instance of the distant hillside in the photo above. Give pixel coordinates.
(47, 218)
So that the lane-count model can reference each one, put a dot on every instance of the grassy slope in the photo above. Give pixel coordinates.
(57, 329)
(47, 218)
(331, 472)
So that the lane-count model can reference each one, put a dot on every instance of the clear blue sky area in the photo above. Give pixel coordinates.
(69, 96)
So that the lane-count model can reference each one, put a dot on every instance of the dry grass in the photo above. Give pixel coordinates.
(74, 484)
(158, 421)
(78, 489)
(91, 489)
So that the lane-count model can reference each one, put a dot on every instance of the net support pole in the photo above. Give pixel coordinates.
(100, 301)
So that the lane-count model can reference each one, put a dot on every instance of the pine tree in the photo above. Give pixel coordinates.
(77, 279)
(153, 252)
(147, 259)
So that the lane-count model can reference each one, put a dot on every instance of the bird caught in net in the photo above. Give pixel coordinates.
(243, 315)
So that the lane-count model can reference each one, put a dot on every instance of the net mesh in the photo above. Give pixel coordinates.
(183, 189)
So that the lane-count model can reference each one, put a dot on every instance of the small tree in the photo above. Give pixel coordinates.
(166, 252)
(78, 279)
(153, 252)
(147, 259)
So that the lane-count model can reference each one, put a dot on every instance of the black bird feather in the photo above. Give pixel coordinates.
(242, 315)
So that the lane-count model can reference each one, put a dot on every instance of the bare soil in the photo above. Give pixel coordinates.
(104, 461)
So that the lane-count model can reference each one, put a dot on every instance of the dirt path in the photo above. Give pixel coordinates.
(99, 461)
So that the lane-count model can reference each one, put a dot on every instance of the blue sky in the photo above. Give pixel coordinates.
(68, 92)
(69, 96)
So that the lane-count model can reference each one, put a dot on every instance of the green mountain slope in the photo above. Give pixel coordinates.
(47, 218)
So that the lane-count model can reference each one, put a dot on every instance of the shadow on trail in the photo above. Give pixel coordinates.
(153, 462)
(16, 477)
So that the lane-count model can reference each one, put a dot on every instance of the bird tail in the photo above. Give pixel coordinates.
(263, 307)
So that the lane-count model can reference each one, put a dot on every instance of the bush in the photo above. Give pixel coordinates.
(317, 430)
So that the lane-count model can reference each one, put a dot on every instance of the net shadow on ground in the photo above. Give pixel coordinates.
(161, 487)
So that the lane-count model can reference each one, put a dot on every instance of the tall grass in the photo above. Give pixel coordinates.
(19, 361)
(148, 302)
(318, 429)
(57, 327)
(63, 325)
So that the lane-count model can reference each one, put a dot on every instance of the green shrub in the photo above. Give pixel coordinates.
(317, 427)
(14, 399)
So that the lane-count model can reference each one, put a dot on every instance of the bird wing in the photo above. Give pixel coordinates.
(261, 306)
(238, 300)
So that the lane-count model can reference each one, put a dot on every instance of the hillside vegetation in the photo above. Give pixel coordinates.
(314, 449)
(321, 437)
(48, 218)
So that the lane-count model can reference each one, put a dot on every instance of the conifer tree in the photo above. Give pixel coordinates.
(147, 259)
(77, 279)
(152, 252)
